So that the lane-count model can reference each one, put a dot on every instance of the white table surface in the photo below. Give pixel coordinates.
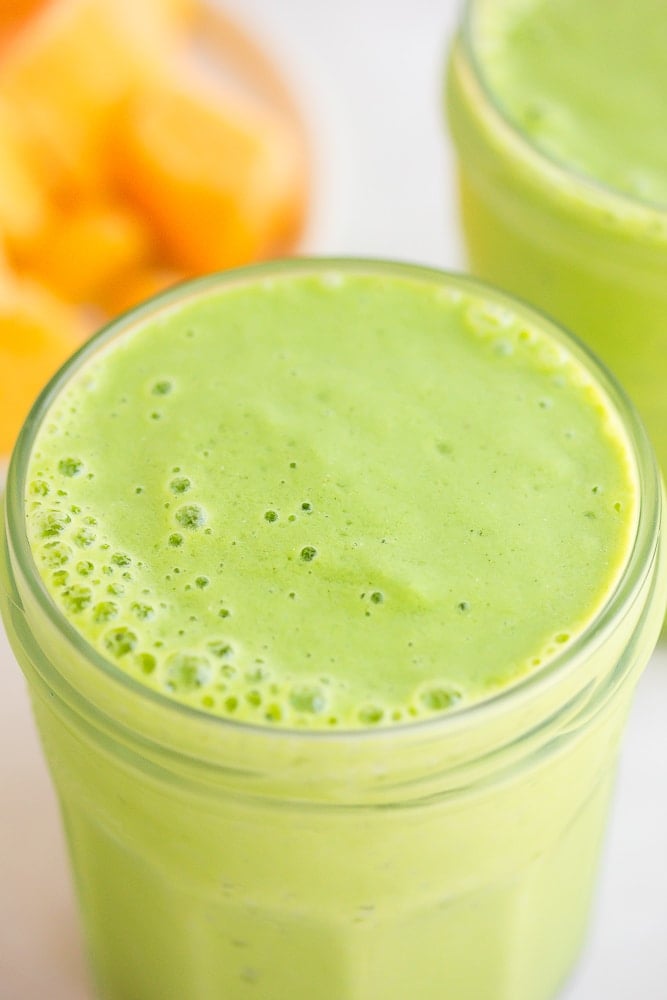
(368, 73)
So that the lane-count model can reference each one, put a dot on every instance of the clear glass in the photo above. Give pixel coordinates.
(592, 257)
(446, 859)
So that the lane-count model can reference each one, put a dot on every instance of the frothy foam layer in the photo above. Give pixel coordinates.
(339, 501)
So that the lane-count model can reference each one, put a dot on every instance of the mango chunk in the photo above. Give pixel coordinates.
(133, 287)
(13, 13)
(37, 334)
(141, 142)
(155, 18)
(221, 178)
(65, 73)
(24, 208)
(87, 250)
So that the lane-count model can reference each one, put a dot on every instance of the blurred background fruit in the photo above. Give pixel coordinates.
(141, 143)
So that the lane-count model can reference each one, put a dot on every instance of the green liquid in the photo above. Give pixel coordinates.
(555, 109)
(412, 500)
(586, 82)
(336, 500)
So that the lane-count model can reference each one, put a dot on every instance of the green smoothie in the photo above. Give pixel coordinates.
(336, 584)
(555, 108)
(545, 62)
(297, 502)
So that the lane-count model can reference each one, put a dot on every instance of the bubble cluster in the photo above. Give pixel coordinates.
(215, 674)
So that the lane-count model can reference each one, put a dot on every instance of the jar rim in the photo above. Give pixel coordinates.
(639, 561)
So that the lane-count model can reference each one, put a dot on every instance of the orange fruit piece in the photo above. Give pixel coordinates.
(24, 207)
(14, 12)
(88, 249)
(67, 69)
(136, 286)
(221, 178)
(157, 17)
(37, 334)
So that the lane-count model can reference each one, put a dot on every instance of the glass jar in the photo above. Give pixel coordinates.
(593, 257)
(450, 858)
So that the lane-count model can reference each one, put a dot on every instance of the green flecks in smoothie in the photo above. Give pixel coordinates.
(370, 503)
(163, 387)
(70, 467)
(586, 82)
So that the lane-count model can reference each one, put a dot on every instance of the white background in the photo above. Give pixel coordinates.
(368, 76)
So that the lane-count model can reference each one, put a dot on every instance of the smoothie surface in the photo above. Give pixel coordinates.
(330, 498)
(585, 81)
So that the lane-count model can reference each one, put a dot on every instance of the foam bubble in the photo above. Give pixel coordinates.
(273, 713)
(120, 641)
(371, 715)
(257, 674)
(219, 648)
(70, 467)
(187, 671)
(488, 318)
(85, 537)
(120, 559)
(53, 524)
(57, 555)
(310, 700)
(191, 516)
(439, 698)
(142, 611)
(146, 663)
(105, 611)
(180, 485)
(163, 387)
(77, 598)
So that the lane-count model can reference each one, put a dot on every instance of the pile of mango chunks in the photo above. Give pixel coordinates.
(127, 162)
